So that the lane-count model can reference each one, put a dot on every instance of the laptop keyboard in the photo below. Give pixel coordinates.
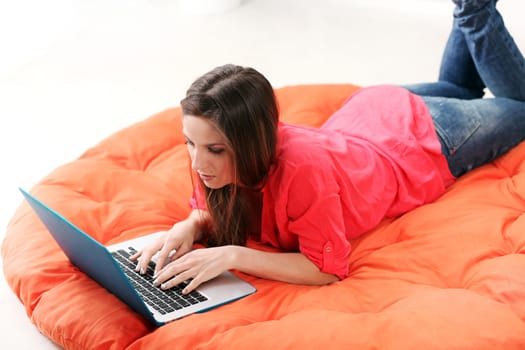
(164, 301)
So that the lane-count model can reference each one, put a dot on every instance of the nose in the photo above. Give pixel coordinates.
(197, 160)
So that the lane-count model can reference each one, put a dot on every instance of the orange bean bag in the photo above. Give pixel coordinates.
(448, 275)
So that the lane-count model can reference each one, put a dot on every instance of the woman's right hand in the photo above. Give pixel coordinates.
(171, 245)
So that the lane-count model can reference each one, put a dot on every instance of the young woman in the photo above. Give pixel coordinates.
(309, 191)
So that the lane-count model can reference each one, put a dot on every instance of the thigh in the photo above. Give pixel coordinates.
(475, 132)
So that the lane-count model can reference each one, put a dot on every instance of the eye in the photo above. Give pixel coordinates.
(188, 143)
(216, 150)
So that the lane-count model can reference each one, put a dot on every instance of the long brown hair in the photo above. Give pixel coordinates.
(241, 103)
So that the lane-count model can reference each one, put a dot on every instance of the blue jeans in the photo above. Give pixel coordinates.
(479, 53)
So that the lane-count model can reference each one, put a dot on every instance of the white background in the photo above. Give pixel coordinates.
(72, 72)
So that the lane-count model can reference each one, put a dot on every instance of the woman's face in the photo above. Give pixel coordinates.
(210, 156)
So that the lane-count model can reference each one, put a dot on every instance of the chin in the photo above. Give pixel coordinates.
(216, 185)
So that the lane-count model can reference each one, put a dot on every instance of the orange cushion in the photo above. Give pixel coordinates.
(450, 274)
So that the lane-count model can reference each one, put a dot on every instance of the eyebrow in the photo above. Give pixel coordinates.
(221, 144)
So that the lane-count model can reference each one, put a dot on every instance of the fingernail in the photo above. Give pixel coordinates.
(142, 271)
(156, 283)
(163, 286)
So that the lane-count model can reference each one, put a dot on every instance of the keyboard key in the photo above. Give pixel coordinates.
(164, 301)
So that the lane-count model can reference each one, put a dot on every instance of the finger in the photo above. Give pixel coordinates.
(162, 259)
(173, 276)
(135, 256)
(169, 271)
(194, 283)
(170, 283)
(177, 254)
(142, 261)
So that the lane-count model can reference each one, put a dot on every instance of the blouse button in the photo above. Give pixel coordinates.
(328, 249)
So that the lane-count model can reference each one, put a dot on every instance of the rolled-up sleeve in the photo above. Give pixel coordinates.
(315, 215)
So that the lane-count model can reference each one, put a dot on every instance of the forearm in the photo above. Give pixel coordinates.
(286, 267)
(198, 222)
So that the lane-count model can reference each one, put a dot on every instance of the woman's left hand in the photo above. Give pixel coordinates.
(199, 266)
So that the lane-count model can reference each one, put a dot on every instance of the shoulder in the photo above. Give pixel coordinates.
(300, 144)
(303, 159)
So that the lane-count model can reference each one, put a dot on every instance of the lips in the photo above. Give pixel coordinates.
(206, 178)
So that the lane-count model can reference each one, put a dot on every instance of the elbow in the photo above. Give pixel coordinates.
(323, 279)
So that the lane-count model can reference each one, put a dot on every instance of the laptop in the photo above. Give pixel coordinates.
(111, 268)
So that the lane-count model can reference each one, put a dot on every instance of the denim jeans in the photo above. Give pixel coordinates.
(479, 54)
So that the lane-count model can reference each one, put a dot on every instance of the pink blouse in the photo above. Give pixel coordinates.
(377, 156)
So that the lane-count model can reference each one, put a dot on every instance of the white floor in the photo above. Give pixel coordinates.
(72, 72)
